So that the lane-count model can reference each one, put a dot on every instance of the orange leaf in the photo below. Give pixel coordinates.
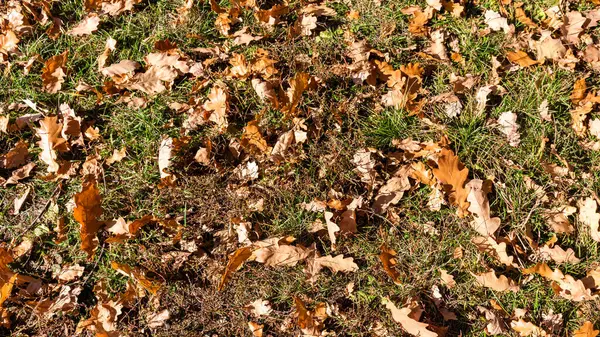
(453, 175)
(387, 257)
(521, 58)
(586, 330)
(235, 261)
(87, 211)
(53, 74)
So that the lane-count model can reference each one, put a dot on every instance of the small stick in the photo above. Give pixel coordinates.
(38, 217)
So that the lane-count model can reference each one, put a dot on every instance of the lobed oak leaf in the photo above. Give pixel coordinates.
(586, 330)
(479, 206)
(87, 26)
(86, 212)
(310, 322)
(490, 280)
(447, 279)
(559, 255)
(388, 260)
(453, 175)
(54, 72)
(259, 307)
(16, 156)
(18, 174)
(409, 324)
(527, 328)
(589, 217)
(138, 276)
(495, 324)
(496, 22)
(218, 105)
(253, 141)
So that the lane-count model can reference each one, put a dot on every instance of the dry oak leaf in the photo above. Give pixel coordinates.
(489, 245)
(479, 206)
(138, 275)
(510, 128)
(521, 58)
(256, 329)
(586, 330)
(557, 218)
(18, 174)
(410, 325)
(447, 279)
(453, 175)
(335, 264)
(490, 280)
(559, 255)
(116, 156)
(53, 74)
(589, 217)
(527, 328)
(235, 262)
(259, 307)
(70, 273)
(496, 22)
(388, 260)
(218, 105)
(51, 142)
(310, 321)
(87, 26)
(495, 324)
(16, 156)
(564, 285)
(87, 211)
(165, 153)
(253, 141)
(579, 89)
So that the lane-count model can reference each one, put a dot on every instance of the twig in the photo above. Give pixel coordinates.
(38, 217)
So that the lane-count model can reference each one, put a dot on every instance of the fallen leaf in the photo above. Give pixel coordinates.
(521, 58)
(410, 325)
(495, 324)
(496, 22)
(490, 280)
(259, 307)
(87, 26)
(16, 156)
(19, 201)
(453, 175)
(116, 156)
(559, 255)
(70, 273)
(310, 321)
(527, 328)
(447, 279)
(54, 72)
(51, 142)
(137, 275)
(586, 330)
(87, 211)
(510, 128)
(256, 329)
(589, 217)
(158, 319)
(388, 260)
(235, 262)
(479, 206)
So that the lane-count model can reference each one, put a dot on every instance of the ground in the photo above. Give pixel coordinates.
(198, 207)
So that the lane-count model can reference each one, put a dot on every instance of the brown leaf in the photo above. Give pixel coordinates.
(479, 205)
(447, 279)
(495, 324)
(70, 273)
(87, 211)
(586, 330)
(116, 156)
(87, 26)
(410, 325)
(453, 175)
(527, 328)
(387, 258)
(589, 217)
(521, 58)
(218, 105)
(51, 141)
(138, 275)
(54, 72)
(310, 321)
(235, 261)
(335, 264)
(490, 280)
(559, 255)
(579, 89)
(253, 141)
(16, 156)
(18, 174)
(256, 329)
